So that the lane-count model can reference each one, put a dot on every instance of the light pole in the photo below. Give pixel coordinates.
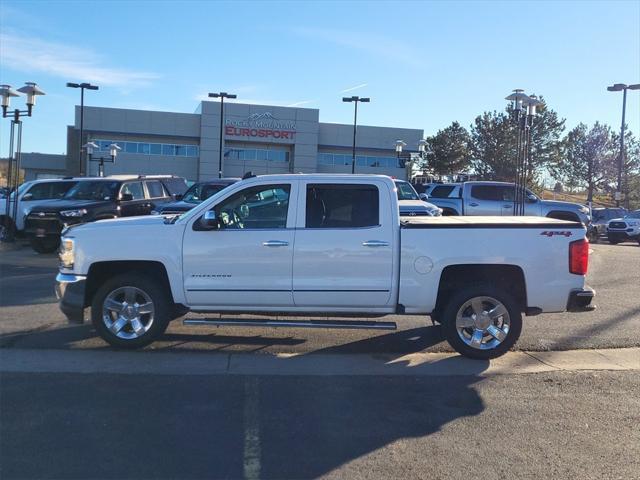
(616, 87)
(31, 90)
(113, 153)
(221, 96)
(355, 99)
(82, 87)
(524, 110)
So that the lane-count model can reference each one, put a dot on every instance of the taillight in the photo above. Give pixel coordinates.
(579, 257)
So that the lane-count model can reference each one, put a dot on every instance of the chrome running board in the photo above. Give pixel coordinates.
(346, 324)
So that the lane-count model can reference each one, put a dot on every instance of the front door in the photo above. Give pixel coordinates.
(137, 204)
(343, 255)
(247, 261)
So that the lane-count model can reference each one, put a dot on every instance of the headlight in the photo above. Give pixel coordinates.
(633, 224)
(155, 212)
(74, 213)
(434, 212)
(67, 252)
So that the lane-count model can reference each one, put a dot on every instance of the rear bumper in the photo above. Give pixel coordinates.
(580, 300)
(70, 291)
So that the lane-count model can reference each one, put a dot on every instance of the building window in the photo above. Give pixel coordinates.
(145, 148)
(341, 159)
(259, 154)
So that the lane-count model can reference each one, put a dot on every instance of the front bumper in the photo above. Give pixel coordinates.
(70, 291)
(580, 300)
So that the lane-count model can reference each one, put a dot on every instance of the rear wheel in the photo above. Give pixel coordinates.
(614, 241)
(44, 244)
(130, 311)
(481, 321)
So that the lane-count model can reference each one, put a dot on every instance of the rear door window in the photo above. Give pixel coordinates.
(342, 206)
(486, 192)
(155, 189)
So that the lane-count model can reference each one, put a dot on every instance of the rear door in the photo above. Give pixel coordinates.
(484, 200)
(343, 253)
(156, 193)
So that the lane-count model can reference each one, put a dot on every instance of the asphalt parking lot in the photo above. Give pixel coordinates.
(208, 402)
(30, 318)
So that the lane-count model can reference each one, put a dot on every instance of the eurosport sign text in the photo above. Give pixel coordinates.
(261, 125)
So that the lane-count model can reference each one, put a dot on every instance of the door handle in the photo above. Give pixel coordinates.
(275, 243)
(375, 243)
(474, 204)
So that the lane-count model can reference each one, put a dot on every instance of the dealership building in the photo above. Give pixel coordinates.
(258, 138)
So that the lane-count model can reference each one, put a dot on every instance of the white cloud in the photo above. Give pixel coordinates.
(381, 46)
(351, 89)
(299, 104)
(31, 54)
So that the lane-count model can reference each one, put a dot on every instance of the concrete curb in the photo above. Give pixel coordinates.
(414, 364)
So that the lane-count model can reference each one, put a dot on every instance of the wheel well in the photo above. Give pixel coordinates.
(449, 212)
(509, 277)
(560, 215)
(99, 272)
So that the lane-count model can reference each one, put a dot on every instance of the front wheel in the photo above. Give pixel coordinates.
(482, 322)
(130, 311)
(45, 244)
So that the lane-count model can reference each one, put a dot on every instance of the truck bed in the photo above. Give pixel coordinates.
(487, 222)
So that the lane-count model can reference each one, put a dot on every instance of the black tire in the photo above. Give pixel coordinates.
(45, 244)
(614, 242)
(457, 301)
(158, 295)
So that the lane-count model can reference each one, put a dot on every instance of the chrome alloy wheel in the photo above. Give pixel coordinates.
(483, 323)
(128, 312)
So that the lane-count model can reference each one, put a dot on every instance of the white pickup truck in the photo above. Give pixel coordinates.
(319, 245)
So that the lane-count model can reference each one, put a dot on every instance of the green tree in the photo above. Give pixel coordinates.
(589, 158)
(449, 150)
(494, 143)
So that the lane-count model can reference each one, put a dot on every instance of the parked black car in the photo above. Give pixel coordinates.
(197, 193)
(99, 199)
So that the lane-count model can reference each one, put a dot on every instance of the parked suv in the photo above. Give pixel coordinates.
(28, 194)
(197, 193)
(600, 217)
(497, 199)
(410, 203)
(624, 229)
(99, 199)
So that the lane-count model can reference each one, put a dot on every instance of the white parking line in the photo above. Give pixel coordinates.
(251, 430)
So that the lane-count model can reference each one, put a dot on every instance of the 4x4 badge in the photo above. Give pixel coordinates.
(551, 233)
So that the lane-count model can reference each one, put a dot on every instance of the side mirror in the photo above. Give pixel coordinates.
(27, 197)
(126, 197)
(424, 196)
(210, 220)
(178, 196)
(532, 199)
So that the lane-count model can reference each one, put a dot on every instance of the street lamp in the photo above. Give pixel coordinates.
(31, 91)
(113, 153)
(82, 87)
(616, 87)
(221, 96)
(355, 99)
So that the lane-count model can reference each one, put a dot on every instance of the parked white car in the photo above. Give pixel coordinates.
(29, 193)
(625, 229)
(322, 245)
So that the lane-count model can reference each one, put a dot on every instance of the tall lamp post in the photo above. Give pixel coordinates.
(616, 87)
(221, 96)
(113, 153)
(524, 111)
(31, 90)
(82, 87)
(355, 100)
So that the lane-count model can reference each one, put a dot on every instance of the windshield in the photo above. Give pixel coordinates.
(21, 189)
(635, 214)
(406, 191)
(98, 190)
(200, 192)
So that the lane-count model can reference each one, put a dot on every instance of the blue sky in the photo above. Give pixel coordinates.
(424, 64)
